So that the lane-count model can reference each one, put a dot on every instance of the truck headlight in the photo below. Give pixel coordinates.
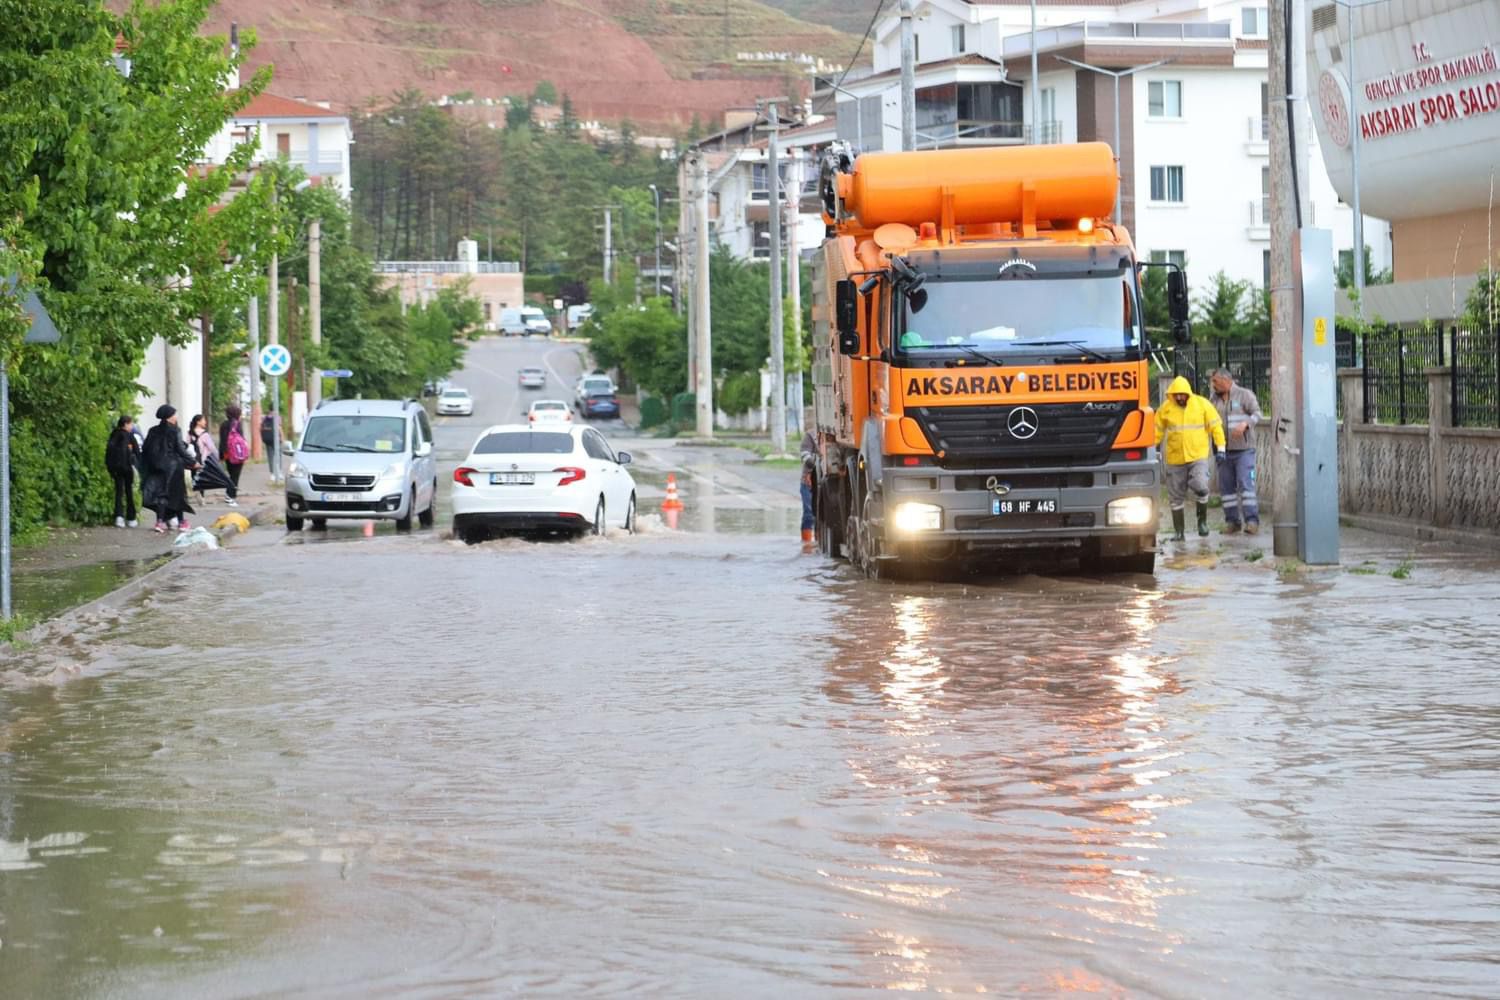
(913, 517)
(1131, 511)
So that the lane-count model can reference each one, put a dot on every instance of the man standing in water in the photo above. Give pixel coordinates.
(1240, 411)
(1190, 426)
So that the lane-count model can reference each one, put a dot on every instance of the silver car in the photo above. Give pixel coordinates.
(362, 459)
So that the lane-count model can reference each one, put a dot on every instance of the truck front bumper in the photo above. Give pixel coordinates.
(1110, 507)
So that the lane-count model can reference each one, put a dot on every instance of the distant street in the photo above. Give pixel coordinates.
(700, 763)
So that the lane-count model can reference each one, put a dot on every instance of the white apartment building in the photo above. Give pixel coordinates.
(1192, 136)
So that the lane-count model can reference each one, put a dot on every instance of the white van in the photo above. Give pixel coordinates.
(525, 321)
(579, 315)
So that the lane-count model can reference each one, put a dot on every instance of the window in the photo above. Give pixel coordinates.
(1346, 262)
(1265, 196)
(1049, 104)
(595, 446)
(1265, 267)
(1178, 257)
(488, 311)
(1166, 184)
(760, 239)
(525, 443)
(1164, 98)
(958, 39)
(283, 144)
(1253, 22)
(916, 47)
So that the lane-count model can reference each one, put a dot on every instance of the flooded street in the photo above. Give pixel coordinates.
(699, 763)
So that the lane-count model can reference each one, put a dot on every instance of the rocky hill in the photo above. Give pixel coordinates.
(657, 62)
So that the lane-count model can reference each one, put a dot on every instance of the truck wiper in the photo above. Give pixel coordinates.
(1085, 348)
(976, 352)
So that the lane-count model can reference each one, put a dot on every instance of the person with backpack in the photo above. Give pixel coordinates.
(121, 456)
(233, 448)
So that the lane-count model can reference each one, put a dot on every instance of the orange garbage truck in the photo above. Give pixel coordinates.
(981, 363)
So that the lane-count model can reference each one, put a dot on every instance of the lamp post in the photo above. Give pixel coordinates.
(656, 200)
(1116, 74)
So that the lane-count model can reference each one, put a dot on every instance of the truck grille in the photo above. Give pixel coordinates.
(978, 436)
(1030, 481)
(1022, 522)
(343, 484)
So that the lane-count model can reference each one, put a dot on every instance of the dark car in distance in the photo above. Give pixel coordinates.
(600, 404)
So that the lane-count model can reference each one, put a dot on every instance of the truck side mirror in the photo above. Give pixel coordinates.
(847, 306)
(1177, 305)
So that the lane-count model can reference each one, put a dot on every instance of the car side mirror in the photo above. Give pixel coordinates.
(424, 449)
(1177, 305)
(287, 449)
(623, 457)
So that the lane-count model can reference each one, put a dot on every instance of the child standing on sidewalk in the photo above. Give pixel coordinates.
(121, 456)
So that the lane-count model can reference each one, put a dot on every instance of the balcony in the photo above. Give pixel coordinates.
(320, 165)
(1257, 136)
(1117, 32)
(1259, 228)
(1044, 134)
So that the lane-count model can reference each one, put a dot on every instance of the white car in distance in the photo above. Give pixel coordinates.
(542, 480)
(455, 402)
(532, 378)
(549, 411)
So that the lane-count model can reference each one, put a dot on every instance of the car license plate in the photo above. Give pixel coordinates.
(998, 506)
(326, 498)
(512, 478)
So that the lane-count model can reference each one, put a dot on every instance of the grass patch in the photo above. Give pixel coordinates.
(1402, 570)
(1363, 570)
(14, 627)
(1289, 569)
(780, 463)
(1255, 555)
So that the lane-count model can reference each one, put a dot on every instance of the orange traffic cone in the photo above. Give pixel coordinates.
(671, 515)
(671, 502)
(369, 530)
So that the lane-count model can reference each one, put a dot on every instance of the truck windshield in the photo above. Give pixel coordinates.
(1042, 314)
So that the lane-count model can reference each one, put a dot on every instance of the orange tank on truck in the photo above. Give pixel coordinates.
(981, 362)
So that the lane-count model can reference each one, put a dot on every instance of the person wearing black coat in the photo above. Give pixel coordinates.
(120, 458)
(165, 458)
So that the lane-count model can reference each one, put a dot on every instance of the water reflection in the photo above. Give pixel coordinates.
(1019, 730)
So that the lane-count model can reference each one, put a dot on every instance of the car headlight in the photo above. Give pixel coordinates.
(912, 517)
(297, 469)
(1131, 511)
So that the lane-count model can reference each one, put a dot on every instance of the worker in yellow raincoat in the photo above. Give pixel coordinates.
(1191, 429)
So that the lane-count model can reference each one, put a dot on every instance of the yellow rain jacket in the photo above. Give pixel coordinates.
(1186, 429)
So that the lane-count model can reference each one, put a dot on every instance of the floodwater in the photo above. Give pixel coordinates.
(701, 764)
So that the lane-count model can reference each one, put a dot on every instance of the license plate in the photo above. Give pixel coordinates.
(998, 506)
(512, 478)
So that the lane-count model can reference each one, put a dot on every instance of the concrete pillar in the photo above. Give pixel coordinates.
(1350, 380)
(1439, 418)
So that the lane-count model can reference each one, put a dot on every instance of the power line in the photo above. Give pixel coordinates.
(879, 6)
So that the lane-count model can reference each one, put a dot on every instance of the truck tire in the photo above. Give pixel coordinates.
(829, 521)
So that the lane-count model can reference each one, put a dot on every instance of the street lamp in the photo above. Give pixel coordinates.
(656, 200)
(1116, 74)
(1359, 220)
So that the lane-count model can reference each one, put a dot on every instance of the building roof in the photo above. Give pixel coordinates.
(265, 105)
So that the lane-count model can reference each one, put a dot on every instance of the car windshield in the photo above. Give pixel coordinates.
(994, 317)
(524, 443)
(455, 394)
(352, 432)
(600, 390)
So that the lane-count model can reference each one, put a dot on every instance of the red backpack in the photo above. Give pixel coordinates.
(236, 448)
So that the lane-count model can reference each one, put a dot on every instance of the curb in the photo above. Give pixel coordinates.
(1423, 532)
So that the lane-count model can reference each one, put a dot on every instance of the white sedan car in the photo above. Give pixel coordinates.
(549, 411)
(552, 480)
(455, 402)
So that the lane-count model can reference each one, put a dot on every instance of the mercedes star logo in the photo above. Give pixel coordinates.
(1021, 423)
(997, 486)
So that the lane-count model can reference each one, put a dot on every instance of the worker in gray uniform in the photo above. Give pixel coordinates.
(1239, 411)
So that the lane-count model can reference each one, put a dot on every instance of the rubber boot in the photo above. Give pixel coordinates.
(1202, 520)
(807, 540)
(1178, 518)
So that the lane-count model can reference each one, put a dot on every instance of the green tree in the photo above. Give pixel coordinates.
(545, 93)
(106, 217)
(647, 343)
(1219, 313)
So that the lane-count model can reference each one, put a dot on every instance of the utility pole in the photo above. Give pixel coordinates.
(252, 311)
(908, 80)
(778, 360)
(1284, 224)
(656, 200)
(609, 250)
(1036, 84)
(794, 288)
(205, 363)
(1115, 139)
(315, 305)
(703, 325)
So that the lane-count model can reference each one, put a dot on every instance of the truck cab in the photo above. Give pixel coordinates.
(981, 369)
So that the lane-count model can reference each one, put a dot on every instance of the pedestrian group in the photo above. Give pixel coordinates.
(164, 459)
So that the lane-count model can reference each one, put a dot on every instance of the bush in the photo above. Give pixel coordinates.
(683, 405)
(653, 412)
(740, 393)
(57, 472)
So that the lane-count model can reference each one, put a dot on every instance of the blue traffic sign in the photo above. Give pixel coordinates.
(337, 373)
(275, 360)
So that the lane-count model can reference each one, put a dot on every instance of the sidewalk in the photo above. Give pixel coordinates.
(72, 566)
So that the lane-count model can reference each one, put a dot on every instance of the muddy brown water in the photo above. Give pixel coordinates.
(705, 765)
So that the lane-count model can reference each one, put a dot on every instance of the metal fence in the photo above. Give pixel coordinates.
(1394, 362)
